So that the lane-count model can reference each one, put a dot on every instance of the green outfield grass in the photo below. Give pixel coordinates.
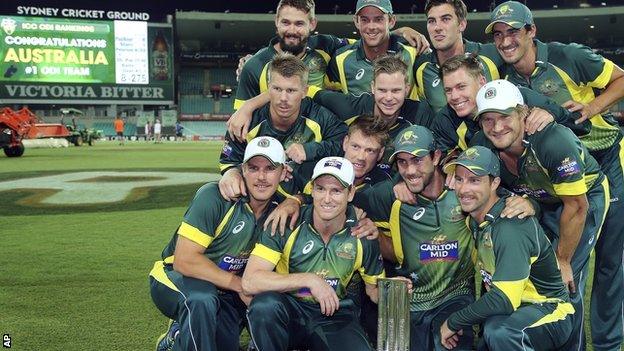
(76, 277)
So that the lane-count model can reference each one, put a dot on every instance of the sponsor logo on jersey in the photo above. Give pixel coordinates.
(439, 249)
(333, 282)
(308, 247)
(435, 82)
(346, 251)
(233, 264)
(227, 149)
(568, 168)
(239, 226)
(360, 74)
(418, 214)
(533, 193)
(486, 277)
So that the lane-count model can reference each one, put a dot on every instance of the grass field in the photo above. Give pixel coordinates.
(75, 277)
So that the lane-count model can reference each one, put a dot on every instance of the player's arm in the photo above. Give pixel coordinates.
(344, 106)
(260, 277)
(597, 72)
(248, 86)
(239, 121)
(413, 38)
(559, 114)
(190, 261)
(513, 251)
(571, 224)
(562, 157)
(231, 184)
(332, 130)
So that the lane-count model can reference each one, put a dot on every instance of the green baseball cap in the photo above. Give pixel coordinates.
(478, 160)
(384, 5)
(512, 13)
(415, 140)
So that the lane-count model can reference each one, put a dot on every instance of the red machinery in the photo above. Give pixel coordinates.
(22, 124)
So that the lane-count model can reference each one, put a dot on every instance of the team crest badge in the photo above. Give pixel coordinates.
(470, 154)
(504, 11)
(490, 93)
(549, 87)
(8, 25)
(408, 138)
(264, 142)
(346, 251)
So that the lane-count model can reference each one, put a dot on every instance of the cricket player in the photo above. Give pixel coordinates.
(197, 282)
(554, 168)
(299, 280)
(525, 305)
(570, 74)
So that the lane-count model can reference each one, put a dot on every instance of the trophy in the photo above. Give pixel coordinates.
(393, 322)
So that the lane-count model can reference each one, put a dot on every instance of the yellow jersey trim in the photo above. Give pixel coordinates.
(158, 273)
(395, 230)
(578, 187)
(188, 231)
(266, 253)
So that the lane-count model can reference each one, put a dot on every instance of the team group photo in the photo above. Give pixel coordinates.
(385, 186)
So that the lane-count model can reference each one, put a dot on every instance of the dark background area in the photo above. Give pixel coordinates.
(158, 9)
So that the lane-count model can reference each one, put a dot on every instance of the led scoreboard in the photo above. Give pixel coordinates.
(53, 60)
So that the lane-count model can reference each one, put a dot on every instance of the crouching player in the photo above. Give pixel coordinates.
(303, 303)
(526, 306)
(197, 283)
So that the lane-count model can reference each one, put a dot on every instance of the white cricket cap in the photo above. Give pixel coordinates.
(339, 167)
(500, 96)
(268, 147)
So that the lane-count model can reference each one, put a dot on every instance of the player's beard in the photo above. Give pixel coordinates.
(293, 49)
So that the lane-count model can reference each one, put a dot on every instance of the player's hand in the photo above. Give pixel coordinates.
(232, 185)
(415, 39)
(245, 298)
(365, 228)
(567, 275)
(325, 295)
(296, 152)
(241, 63)
(449, 338)
(517, 206)
(403, 194)
(537, 120)
(277, 219)
(586, 110)
(410, 285)
(286, 175)
(238, 124)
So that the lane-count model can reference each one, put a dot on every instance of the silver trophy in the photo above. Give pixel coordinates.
(393, 323)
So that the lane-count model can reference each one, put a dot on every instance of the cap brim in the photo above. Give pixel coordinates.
(263, 155)
(379, 7)
(506, 111)
(417, 153)
(514, 24)
(345, 184)
(449, 168)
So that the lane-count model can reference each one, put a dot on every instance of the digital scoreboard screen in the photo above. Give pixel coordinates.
(83, 60)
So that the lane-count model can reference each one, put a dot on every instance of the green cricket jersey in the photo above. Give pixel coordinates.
(428, 73)
(227, 229)
(571, 72)
(431, 241)
(352, 73)
(348, 108)
(316, 128)
(254, 75)
(303, 250)
(555, 163)
(518, 266)
(454, 132)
